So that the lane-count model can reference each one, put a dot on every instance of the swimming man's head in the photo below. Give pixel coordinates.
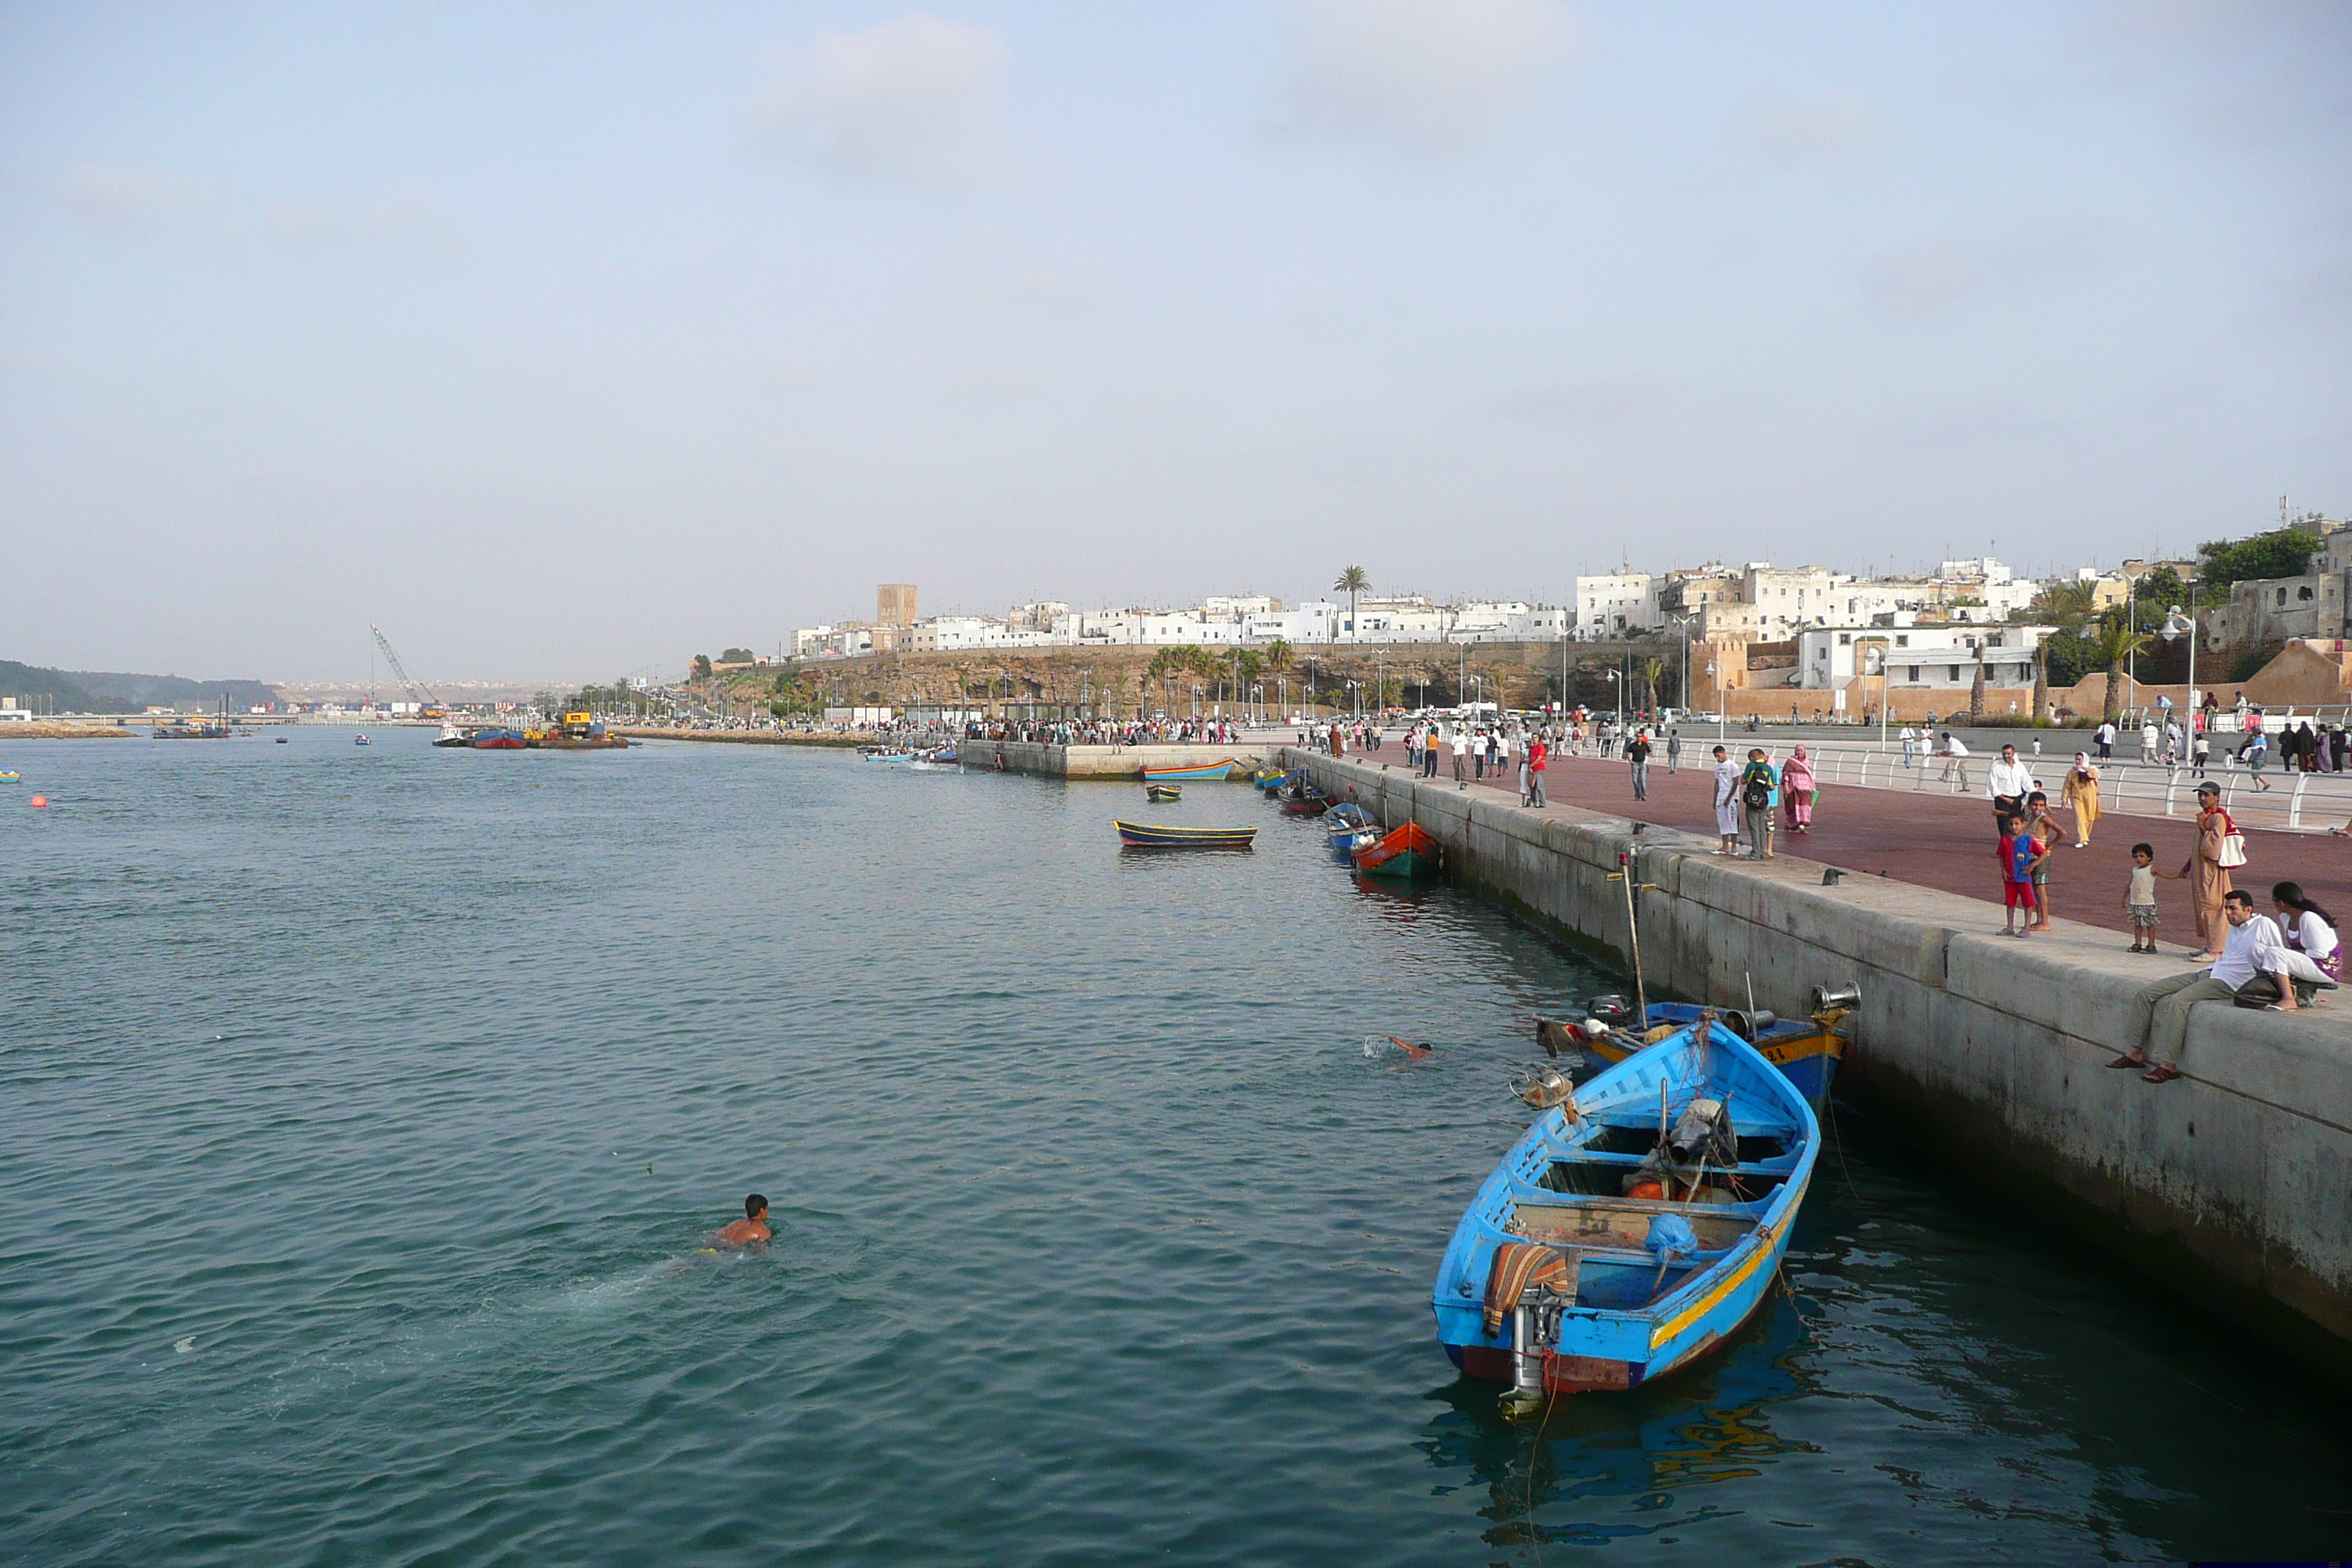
(754, 1206)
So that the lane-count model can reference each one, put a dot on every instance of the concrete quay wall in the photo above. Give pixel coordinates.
(1101, 762)
(2233, 1185)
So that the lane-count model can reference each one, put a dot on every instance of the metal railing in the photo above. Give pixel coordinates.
(2295, 802)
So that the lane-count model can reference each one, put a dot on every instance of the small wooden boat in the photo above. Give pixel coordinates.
(1147, 835)
(1206, 772)
(1159, 791)
(1407, 853)
(1806, 1050)
(1635, 1227)
(1274, 782)
(9, 776)
(1314, 802)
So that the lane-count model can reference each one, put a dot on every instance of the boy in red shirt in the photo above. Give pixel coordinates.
(2020, 853)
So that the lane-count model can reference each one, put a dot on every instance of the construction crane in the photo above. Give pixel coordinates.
(428, 705)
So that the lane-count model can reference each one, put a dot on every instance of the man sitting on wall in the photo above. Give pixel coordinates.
(2254, 971)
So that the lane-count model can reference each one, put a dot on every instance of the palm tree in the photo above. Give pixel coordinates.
(1277, 657)
(1975, 690)
(2068, 605)
(1352, 582)
(2111, 645)
(1652, 671)
(2041, 685)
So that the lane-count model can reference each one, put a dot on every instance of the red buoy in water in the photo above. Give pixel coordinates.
(41, 800)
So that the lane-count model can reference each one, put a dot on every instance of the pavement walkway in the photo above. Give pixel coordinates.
(1946, 842)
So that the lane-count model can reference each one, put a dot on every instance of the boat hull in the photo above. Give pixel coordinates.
(1152, 836)
(1206, 772)
(1163, 792)
(1402, 856)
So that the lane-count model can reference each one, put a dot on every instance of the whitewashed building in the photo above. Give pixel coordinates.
(1938, 656)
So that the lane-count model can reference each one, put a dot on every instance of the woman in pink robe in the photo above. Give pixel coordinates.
(1797, 790)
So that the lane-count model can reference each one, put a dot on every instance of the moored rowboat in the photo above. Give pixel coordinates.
(1806, 1050)
(1410, 851)
(1149, 835)
(1635, 1227)
(1162, 792)
(1204, 772)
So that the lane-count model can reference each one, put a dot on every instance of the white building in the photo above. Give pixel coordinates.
(1619, 604)
(1939, 657)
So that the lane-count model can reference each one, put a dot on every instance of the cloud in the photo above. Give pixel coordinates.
(159, 203)
(138, 202)
(1836, 130)
(1421, 77)
(1938, 278)
(912, 100)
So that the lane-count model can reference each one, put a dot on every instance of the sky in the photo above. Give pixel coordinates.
(569, 340)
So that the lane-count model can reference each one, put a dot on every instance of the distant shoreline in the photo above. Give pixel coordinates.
(44, 730)
(750, 737)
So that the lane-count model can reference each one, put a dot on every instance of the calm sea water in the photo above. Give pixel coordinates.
(366, 1107)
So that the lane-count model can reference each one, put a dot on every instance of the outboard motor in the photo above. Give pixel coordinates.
(1613, 1010)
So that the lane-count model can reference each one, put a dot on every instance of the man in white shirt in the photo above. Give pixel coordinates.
(1461, 743)
(1910, 745)
(1955, 756)
(2252, 972)
(2009, 782)
(2105, 734)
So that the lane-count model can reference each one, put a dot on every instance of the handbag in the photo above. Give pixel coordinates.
(2233, 845)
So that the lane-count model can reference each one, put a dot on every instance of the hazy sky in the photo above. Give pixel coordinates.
(567, 340)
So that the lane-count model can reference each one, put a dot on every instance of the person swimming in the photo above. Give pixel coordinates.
(751, 1228)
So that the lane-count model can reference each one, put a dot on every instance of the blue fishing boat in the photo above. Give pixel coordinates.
(1205, 772)
(1274, 783)
(1807, 1050)
(1149, 835)
(1348, 827)
(1637, 1223)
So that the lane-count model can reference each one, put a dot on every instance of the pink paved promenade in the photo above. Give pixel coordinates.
(1946, 841)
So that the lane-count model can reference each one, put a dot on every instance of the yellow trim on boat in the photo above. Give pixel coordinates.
(1724, 1286)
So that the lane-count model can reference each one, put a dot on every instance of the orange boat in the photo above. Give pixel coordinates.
(1407, 853)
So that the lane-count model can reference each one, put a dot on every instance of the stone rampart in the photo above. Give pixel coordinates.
(1100, 761)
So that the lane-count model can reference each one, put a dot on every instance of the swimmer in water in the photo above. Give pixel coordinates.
(751, 1228)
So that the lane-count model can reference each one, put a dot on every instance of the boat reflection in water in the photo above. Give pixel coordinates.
(1601, 1470)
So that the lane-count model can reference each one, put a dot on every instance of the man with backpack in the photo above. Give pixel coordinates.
(1758, 787)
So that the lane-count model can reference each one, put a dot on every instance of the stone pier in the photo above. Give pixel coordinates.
(2232, 1185)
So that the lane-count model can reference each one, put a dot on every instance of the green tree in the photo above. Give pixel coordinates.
(702, 666)
(2066, 605)
(2281, 553)
(2159, 588)
(1652, 671)
(1352, 582)
(2112, 645)
(1277, 657)
(737, 656)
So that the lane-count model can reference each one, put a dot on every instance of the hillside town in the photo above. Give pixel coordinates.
(2262, 616)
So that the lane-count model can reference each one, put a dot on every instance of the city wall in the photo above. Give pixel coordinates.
(2233, 1185)
(1099, 762)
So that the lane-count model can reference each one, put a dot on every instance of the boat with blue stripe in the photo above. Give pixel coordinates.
(1635, 1226)
(1808, 1050)
(1203, 773)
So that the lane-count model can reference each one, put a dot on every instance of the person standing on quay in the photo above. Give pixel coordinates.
(2208, 879)
(1757, 787)
(1537, 755)
(1796, 791)
(1910, 745)
(1461, 752)
(1637, 754)
(1674, 751)
(2009, 782)
(2082, 792)
(1726, 802)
